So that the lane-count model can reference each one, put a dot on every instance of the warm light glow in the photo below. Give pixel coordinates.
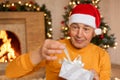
(8, 5)
(78, 2)
(45, 14)
(49, 23)
(114, 47)
(30, 5)
(26, 4)
(6, 51)
(116, 43)
(38, 9)
(73, 3)
(3, 5)
(66, 28)
(68, 37)
(13, 4)
(19, 2)
(117, 78)
(50, 29)
(93, 2)
(49, 35)
(104, 30)
(105, 46)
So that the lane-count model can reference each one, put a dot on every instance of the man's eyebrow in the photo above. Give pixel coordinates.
(74, 23)
(87, 25)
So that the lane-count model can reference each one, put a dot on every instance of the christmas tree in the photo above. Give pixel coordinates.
(105, 40)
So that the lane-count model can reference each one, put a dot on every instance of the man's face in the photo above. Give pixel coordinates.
(80, 34)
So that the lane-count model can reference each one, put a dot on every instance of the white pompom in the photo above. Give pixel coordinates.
(98, 31)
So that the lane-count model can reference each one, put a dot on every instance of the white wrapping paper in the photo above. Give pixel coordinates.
(73, 70)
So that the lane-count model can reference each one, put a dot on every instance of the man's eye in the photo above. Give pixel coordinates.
(75, 27)
(86, 29)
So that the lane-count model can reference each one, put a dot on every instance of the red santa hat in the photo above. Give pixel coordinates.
(88, 15)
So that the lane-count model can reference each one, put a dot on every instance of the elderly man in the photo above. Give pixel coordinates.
(83, 24)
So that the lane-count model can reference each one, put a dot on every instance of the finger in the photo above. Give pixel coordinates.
(50, 54)
(52, 44)
(49, 57)
(96, 77)
(50, 51)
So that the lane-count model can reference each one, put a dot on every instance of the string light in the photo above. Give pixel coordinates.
(116, 43)
(19, 2)
(73, 3)
(38, 9)
(66, 28)
(49, 35)
(105, 46)
(117, 78)
(45, 14)
(68, 37)
(8, 5)
(13, 4)
(104, 30)
(4, 5)
(49, 23)
(78, 2)
(27, 4)
(50, 29)
(114, 47)
(30, 5)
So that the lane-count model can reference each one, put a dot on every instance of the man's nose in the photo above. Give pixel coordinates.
(80, 32)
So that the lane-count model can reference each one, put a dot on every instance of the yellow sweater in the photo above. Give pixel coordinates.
(92, 56)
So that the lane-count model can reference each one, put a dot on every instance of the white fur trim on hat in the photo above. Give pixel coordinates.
(82, 18)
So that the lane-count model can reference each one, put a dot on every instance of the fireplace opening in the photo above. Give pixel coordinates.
(9, 46)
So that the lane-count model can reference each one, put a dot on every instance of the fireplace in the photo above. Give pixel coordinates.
(9, 46)
(26, 29)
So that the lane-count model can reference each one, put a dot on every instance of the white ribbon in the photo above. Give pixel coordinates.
(76, 61)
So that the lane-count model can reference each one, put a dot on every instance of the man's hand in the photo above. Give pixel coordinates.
(96, 76)
(47, 51)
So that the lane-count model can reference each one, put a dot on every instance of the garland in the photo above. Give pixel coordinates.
(29, 7)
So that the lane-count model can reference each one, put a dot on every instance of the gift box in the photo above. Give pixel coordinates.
(73, 70)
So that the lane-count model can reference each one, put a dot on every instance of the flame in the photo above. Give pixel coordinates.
(6, 51)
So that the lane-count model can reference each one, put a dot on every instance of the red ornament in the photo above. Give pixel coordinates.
(31, 2)
(13, 8)
(62, 38)
(101, 36)
(65, 7)
(62, 22)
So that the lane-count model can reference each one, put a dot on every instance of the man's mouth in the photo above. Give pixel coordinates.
(79, 40)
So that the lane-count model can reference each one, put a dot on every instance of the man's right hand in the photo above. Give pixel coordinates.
(47, 51)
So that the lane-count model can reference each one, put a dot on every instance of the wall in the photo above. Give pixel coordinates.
(111, 12)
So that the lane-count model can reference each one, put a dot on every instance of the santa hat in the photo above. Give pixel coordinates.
(88, 15)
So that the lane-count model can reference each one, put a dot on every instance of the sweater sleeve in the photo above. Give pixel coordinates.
(19, 67)
(105, 67)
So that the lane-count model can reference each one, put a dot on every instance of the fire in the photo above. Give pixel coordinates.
(7, 53)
